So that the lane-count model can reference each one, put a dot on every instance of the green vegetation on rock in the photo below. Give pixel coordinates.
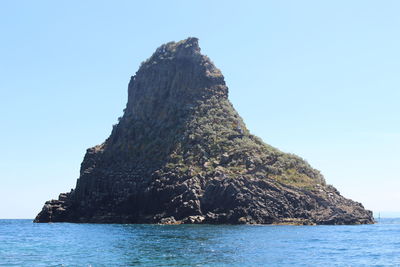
(182, 154)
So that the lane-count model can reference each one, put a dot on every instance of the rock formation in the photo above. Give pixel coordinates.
(181, 154)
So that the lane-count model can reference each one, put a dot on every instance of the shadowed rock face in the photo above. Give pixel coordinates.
(181, 154)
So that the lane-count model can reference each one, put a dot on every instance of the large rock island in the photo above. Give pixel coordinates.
(182, 154)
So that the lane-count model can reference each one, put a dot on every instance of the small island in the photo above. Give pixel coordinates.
(181, 154)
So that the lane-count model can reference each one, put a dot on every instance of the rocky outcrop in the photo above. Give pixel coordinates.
(181, 154)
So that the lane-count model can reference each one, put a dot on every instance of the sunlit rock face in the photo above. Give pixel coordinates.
(182, 154)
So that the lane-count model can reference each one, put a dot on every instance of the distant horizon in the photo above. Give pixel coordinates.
(383, 215)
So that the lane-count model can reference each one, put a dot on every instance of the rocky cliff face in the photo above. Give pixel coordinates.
(181, 154)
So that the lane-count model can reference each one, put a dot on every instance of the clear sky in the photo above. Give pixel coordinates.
(320, 79)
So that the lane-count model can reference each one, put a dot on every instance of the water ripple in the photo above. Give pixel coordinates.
(23, 243)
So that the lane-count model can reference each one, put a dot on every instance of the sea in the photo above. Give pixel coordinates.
(23, 243)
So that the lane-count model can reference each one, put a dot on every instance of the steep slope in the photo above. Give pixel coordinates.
(181, 154)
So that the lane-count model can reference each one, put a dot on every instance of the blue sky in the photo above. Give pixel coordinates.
(316, 78)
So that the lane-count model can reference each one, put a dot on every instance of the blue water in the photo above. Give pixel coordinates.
(23, 243)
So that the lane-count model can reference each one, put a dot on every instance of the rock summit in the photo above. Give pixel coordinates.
(182, 154)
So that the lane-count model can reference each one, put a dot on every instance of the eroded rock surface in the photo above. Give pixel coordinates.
(181, 154)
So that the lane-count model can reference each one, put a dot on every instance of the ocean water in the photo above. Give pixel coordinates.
(23, 243)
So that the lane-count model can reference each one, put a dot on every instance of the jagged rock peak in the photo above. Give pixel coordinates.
(185, 48)
(177, 75)
(182, 154)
